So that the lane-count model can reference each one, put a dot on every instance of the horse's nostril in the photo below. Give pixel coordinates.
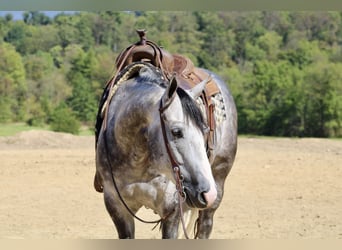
(195, 199)
(201, 199)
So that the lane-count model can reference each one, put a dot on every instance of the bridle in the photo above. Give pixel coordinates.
(174, 164)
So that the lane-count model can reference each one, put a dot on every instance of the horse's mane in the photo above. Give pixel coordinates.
(191, 110)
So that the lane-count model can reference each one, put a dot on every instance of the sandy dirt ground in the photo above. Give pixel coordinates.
(277, 189)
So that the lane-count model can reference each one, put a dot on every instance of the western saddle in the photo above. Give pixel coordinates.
(186, 73)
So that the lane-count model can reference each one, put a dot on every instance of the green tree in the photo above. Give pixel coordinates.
(36, 18)
(254, 52)
(246, 27)
(115, 29)
(16, 34)
(64, 120)
(322, 25)
(3, 28)
(84, 26)
(13, 86)
(66, 29)
(271, 106)
(304, 53)
(9, 17)
(83, 100)
(38, 40)
(323, 95)
(102, 69)
(279, 22)
(218, 41)
(270, 42)
(47, 87)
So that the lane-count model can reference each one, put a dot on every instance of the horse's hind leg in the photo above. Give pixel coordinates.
(122, 219)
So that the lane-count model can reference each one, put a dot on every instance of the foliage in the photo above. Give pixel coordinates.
(13, 85)
(64, 120)
(284, 68)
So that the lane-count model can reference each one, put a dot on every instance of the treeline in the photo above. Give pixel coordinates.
(283, 68)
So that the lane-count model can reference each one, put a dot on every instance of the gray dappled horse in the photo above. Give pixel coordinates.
(132, 151)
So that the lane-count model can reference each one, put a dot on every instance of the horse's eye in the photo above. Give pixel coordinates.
(177, 132)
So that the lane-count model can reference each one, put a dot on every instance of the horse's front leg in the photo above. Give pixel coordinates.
(205, 218)
(170, 225)
(221, 168)
(123, 220)
(205, 223)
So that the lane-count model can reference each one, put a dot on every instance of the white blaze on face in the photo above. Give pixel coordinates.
(210, 196)
(200, 157)
(191, 147)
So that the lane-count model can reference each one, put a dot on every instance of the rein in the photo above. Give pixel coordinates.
(175, 166)
(121, 198)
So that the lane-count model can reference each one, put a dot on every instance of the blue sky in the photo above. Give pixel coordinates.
(17, 15)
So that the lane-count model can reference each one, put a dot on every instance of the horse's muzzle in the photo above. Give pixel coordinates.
(200, 199)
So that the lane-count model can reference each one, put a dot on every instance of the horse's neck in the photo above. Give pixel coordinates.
(135, 117)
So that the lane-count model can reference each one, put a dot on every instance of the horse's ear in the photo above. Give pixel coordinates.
(198, 89)
(172, 87)
(170, 92)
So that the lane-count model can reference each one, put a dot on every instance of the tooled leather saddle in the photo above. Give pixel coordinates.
(181, 67)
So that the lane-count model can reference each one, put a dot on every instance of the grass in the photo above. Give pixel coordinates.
(85, 131)
(9, 129)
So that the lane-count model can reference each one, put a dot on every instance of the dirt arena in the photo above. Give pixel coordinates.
(277, 189)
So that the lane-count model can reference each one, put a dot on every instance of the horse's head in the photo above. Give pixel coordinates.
(184, 133)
